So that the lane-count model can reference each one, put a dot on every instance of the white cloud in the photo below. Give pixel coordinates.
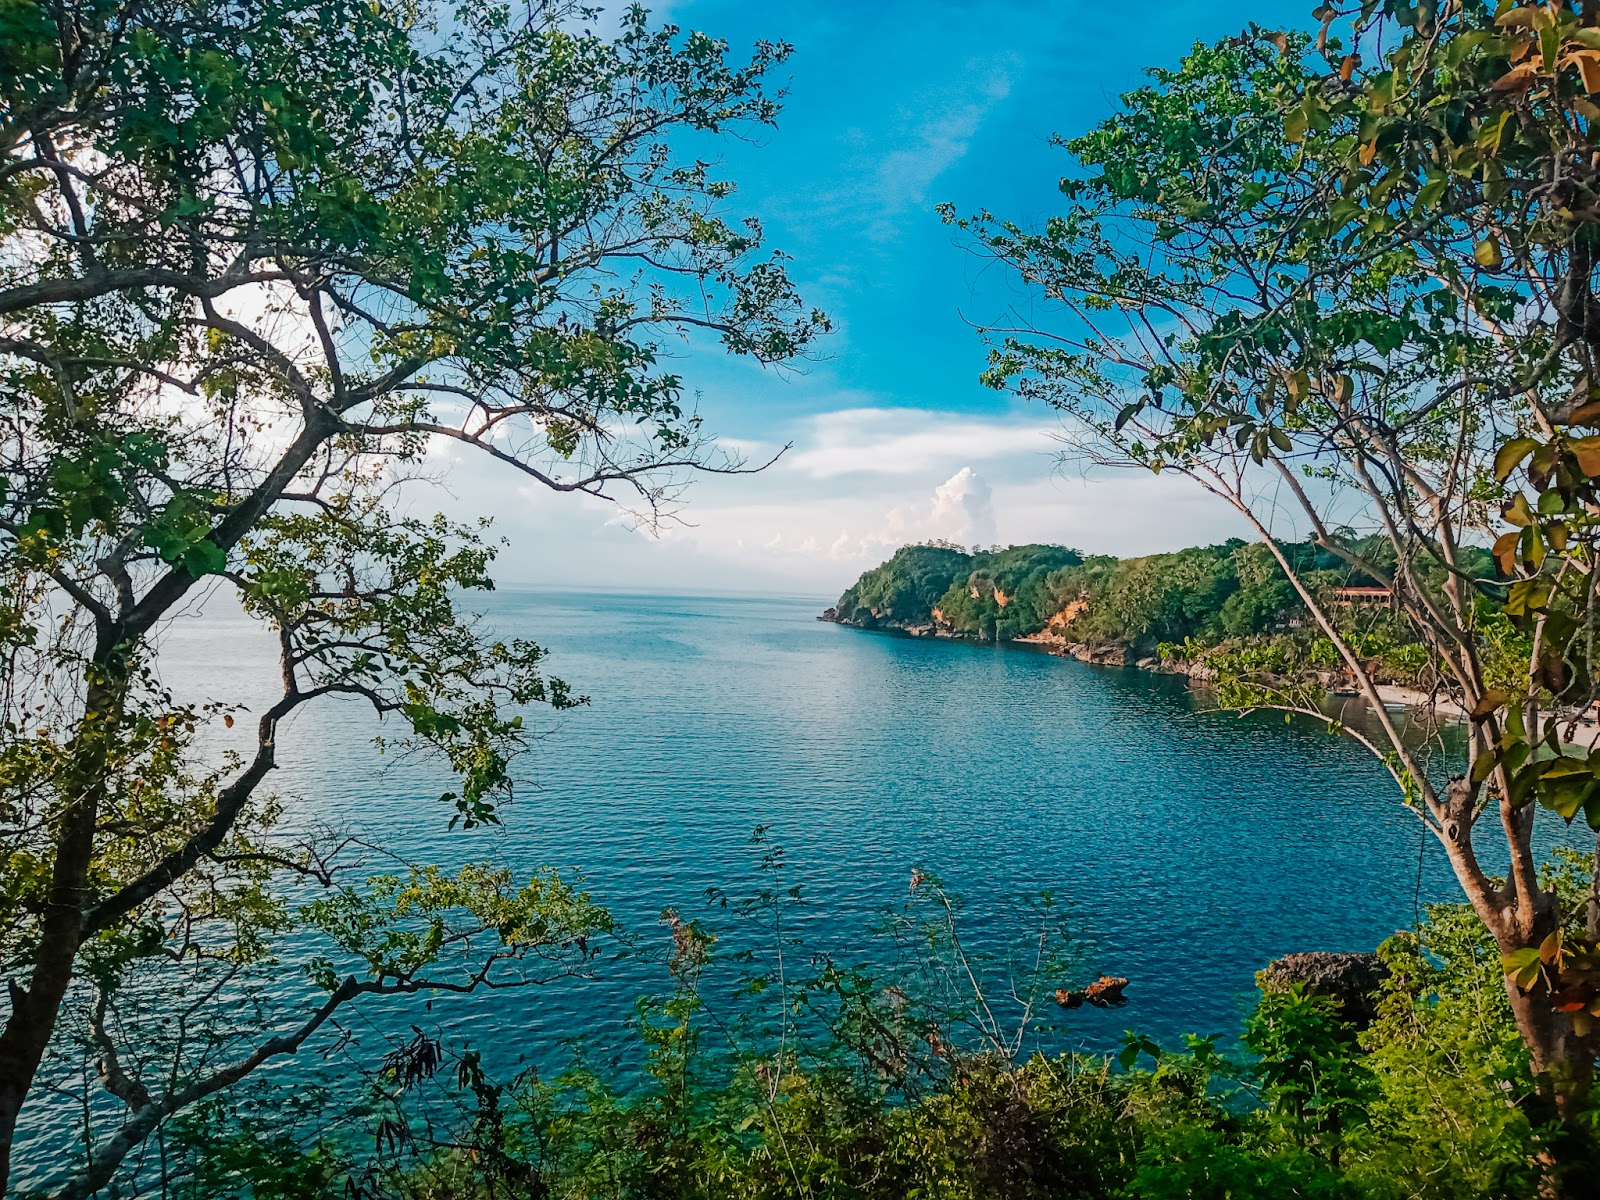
(886, 166)
(909, 441)
(963, 509)
(860, 483)
(960, 510)
(939, 137)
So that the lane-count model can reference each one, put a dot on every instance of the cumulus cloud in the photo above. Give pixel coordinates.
(960, 510)
(860, 483)
(963, 505)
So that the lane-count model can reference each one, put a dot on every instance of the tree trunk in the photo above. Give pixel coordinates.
(36, 1008)
(1563, 1067)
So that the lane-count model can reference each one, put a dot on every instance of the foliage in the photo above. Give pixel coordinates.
(906, 589)
(1008, 593)
(1448, 1114)
(890, 1086)
(1197, 603)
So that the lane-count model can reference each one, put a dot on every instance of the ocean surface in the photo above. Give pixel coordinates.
(1186, 847)
(1183, 848)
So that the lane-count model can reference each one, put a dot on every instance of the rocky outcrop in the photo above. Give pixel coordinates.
(1102, 993)
(1054, 632)
(1105, 656)
(1353, 980)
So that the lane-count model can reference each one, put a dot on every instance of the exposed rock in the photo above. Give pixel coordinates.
(1102, 993)
(1052, 634)
(1351, 979)
(1106, 991)
(829, 614)
(1105, 656)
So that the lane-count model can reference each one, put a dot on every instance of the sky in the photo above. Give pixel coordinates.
(892, 108)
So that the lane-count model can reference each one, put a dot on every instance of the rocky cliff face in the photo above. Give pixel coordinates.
(872, 618)
(1055, 632)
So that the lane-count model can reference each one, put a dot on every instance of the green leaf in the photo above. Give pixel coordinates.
(1483, 767)
(1522, 966)
(204, 557)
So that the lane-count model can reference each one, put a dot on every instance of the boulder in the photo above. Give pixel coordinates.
(1102, 993)
(1104, 656)
(1353, 980)
(1106, 991)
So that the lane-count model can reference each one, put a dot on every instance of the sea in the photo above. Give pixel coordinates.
(1162, 840)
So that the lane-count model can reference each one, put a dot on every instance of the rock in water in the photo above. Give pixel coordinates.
(1106, 991)
(1351, 979)
(1102, 993)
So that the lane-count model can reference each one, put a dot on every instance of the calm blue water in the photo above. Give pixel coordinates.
(1187, 848)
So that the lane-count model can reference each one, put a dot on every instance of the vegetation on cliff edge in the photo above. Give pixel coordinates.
(1229, 604)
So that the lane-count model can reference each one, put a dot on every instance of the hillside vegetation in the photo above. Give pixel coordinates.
(1205, 605)
(1209, 593)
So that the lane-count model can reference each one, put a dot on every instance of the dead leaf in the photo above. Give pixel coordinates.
(1588, 64)
(1518, 79)
(1505, 553)
(1587, 452)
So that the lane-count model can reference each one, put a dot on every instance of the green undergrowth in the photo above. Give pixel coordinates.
(807, 1078)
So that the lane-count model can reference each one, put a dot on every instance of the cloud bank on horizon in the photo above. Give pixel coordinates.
(857, 485)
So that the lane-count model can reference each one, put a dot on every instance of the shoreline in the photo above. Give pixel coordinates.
(1394, 696)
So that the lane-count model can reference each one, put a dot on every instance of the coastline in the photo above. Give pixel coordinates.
(1585, 729)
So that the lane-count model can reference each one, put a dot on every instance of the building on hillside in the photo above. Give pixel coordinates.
(1363, 595)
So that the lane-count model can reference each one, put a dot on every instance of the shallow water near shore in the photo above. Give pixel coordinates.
(1185, 847)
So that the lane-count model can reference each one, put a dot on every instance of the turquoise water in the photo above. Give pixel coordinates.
(1185, 847)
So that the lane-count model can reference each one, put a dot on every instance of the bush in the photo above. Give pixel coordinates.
(877, 1090)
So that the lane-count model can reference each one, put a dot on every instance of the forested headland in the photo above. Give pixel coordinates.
(1228, 607)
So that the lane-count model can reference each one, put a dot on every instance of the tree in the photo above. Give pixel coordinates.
(1336, 294)
(257, 258)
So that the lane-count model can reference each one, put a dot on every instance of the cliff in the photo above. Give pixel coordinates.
(942, 590)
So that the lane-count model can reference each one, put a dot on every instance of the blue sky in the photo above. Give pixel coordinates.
(892, 108)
